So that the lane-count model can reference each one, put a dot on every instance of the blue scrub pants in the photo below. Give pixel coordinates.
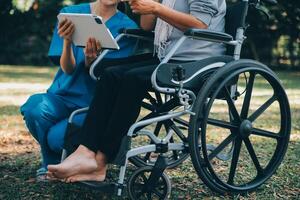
(46, 117)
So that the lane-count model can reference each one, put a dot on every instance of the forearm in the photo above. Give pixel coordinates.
(67, 60)
(179, 20)
(148, 22)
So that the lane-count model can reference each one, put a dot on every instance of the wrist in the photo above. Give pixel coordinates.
(67, 42)
(156, 8)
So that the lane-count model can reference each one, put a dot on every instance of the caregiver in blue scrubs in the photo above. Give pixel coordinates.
(46, 114)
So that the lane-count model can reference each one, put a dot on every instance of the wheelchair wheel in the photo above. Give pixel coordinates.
(243, 112)
(178, 127)
(137, 186)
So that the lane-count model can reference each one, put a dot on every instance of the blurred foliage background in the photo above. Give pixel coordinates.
(27, 25)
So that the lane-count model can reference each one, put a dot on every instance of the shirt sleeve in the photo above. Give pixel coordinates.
(56, 45)
(203, 10)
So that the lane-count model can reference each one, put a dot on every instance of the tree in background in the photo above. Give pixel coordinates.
(28, 26)
(276, 41)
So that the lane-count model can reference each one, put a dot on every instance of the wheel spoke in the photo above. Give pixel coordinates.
(175, 155)
(231, 105)
(221, 146)
(158, 128)
(181, 121)
(222, 124)
(253, 156)
(169, 126)
(156, 133)
(139, 195)
(149, 196)
(234, 160)
(179, 133)
(158, 98)
(155, 191)
(144, 178)
(247, 99)
(148, 106)
(262, 109)
(265, 133)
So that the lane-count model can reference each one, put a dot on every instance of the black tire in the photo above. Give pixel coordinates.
(244, 131)
(136, 184)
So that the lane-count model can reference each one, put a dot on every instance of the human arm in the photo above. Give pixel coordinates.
(148, 22)
(178, 19)
(67, 60)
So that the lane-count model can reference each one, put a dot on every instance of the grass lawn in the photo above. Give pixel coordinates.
(19, 153)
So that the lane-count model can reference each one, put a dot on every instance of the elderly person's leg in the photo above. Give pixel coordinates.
(105, 143)
(133, 90)
(83, 160)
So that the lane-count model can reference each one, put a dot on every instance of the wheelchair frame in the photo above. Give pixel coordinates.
(187, 99)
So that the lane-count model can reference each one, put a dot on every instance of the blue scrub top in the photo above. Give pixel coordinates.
(77, 88)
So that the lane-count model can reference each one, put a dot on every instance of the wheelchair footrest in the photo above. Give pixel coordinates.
(107, 187)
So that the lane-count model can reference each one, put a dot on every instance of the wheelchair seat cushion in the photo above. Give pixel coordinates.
(196, 72)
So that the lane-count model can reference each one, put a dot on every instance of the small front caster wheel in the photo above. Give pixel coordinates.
(138, 188)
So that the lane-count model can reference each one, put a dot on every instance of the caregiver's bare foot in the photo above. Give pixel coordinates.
(82, 161)
(98, 175)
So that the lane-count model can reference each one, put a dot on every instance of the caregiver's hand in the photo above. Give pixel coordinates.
(91, 51)
(143, 7)
(66, 29)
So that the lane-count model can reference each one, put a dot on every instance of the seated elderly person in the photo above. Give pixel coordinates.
(46, 114)
(120, 92)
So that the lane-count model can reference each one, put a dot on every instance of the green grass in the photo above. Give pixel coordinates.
(19, 157)
(27, 74)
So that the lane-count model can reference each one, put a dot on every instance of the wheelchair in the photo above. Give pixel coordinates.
(213, 108)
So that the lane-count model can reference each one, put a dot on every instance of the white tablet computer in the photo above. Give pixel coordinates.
(87, 26)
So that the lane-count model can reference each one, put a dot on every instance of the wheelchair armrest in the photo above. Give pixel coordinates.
(140, 33)
(208, 35)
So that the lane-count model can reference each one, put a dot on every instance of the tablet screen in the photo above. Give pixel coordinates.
(90, 26)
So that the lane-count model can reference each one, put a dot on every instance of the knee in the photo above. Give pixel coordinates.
(30, 118)
(35, 114)
(31, 103)
(37, 121)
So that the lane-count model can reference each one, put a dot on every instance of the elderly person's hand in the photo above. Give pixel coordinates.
(66, 29)
(91, 51)
(143, 7)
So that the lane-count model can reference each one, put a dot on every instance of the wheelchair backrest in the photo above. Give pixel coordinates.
(234, 19)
